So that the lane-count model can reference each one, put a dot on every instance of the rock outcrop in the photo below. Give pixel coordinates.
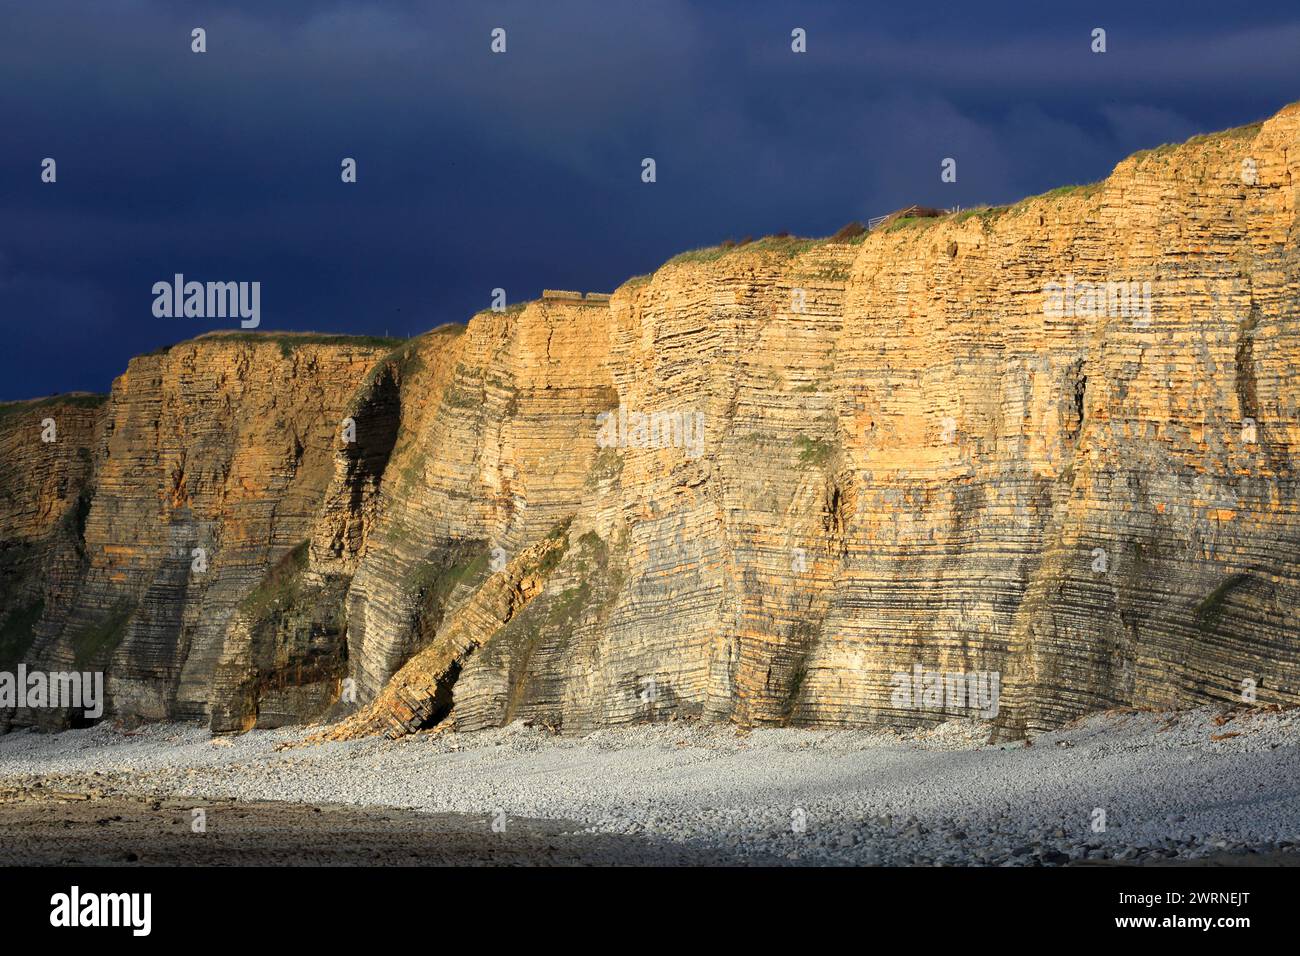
(46, 460)
(209, 462)
(1055, 443)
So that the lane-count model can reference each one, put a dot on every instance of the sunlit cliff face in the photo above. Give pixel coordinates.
(1048, 449)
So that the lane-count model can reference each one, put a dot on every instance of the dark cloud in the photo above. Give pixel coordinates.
(522, 171)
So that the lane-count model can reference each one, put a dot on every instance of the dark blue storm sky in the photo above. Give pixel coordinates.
(522, 170)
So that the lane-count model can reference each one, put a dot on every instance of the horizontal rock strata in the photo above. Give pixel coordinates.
(755, 486)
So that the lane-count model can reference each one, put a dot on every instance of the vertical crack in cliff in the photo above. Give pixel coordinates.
(1244, 369)
(1079, 408)
(378, 417)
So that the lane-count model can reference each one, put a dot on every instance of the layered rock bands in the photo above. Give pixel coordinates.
(1054, 442)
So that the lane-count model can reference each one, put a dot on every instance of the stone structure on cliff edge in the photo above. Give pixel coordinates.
(1053, 444)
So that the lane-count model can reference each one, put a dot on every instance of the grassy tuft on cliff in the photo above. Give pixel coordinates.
(76, 399)
(279, 587)
(96, 642)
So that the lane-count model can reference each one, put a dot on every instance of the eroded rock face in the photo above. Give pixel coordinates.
(210, 463)
(46, 454)
(755, 486)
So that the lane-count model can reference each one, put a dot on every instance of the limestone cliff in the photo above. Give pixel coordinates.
(1055, 442)
(46, 452)
(209, 461)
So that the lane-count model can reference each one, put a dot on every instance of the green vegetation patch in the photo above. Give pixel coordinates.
(413, 471)
(813, 451)
(786, 246)
(514, 308)
(607, 467)
(1078, 189)
(802, 637)
(1210, 609)
(288, 341)
(779, 246)
(406, 359)
(552, 618)
(456, 397)
(984, 214)
(97, 642)
(559, 532)
(19, 631)
(1237, 132)
(76, 401)
(908, 222)
(280, 586)
(436, 580)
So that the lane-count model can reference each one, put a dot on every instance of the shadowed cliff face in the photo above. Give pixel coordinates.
(754, 486)
(209, 464)
(46, 454)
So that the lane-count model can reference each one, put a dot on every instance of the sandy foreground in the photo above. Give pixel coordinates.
(1201, 787)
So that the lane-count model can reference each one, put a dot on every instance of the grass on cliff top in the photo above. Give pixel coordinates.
(77, 399)
(1079, 189)
(781, 246)
(907, 222)
(1237, 132)
(288, 341)
(790, 246)
(512, 308)
(406, 357)
(855, 233)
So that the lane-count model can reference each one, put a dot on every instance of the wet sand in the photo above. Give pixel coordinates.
(86, 828)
